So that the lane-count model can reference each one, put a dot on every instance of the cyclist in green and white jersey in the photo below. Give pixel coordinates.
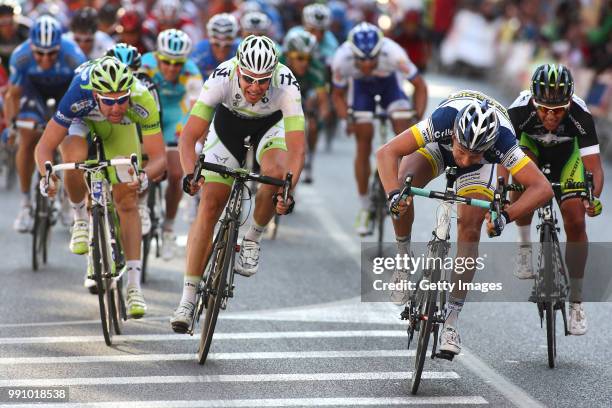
(250, 95)
(104, 99)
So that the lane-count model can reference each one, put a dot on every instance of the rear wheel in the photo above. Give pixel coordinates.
(215, 286)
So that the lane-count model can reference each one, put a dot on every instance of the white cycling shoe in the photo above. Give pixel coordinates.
(183, 317)
(577, 319)
(450, 341)
(247, 262)
(524, 264)
(24, 221)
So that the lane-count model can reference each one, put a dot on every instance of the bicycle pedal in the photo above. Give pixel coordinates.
(445, 355)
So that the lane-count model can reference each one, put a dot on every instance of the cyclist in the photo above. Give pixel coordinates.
(84, 31)
(317, 19)
(41, 69)
(104, 99)
(298, 49)
(556, 128)
(222, 42)
(368, 64)
(249, 95)
(14, 29)
(471, 131)
(255, 23)
(179, 83)
(130, 30)
(167, 14)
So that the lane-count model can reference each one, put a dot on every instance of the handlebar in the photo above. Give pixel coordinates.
(587, 185)
(238, 173)
(91, 165)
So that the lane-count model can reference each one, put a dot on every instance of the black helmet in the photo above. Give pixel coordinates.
(552, 85)
(84, 20)
(9, 7)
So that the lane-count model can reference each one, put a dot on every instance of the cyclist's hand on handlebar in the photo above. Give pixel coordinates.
(495, 227)
(49, 189)
(593, 209)
(135, 184)
(282, 207)
(189, 186)
(397, 207)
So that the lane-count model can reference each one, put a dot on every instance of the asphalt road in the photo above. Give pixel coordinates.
(296, 334)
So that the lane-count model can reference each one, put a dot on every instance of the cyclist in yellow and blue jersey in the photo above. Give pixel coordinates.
(179, 83)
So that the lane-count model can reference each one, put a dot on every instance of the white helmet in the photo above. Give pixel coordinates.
(223, 25)
(257, 54)
(476, 126)
(165, 9)
(317, 16)
(174, 44)
(255, 22)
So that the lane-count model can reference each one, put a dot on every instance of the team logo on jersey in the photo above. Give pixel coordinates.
(265, 99)
(81, 105)
(238, 96)
(220, 159)
(140, 111)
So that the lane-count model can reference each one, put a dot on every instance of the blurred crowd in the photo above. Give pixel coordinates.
(502, 40)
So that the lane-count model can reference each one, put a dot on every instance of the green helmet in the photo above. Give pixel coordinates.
(110, 75)
(300, 40)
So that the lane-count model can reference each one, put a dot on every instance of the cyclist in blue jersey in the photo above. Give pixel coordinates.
(41, 69)
(221, 44)
(179, 83)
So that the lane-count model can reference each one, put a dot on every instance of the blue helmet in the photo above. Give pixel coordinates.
(126, 53)
(46, 33)
(365, 40)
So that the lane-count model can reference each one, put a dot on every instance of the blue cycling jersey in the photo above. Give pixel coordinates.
(50, 83)
(204, 58)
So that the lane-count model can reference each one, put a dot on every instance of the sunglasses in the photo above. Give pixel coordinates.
(83, 39)
(221, 44)
(108, 101)
(259, 81)
(556, 110)
(43, 53)
(299, 56)
(170, 61)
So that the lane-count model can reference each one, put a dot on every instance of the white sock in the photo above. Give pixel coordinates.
(575, 295)
(26, 200)
(452, 312)
(255, 232)
(403, 245)
(190, 286)
(524, 234)
(365, 202)
(134, 269)
(79, 211)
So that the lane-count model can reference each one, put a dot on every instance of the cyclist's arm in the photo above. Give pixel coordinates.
(194, 129)
(11, 102)
(420, 95)
(592, 163)
(296, 149)
(389, 155)
(538, 190)
(323, 102)
(339, 100)
(49, 141)
(155, 149)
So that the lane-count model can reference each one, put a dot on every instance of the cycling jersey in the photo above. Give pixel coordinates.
(204, 58)
(102, 42)
(313, 79)
(176, 98)
(562, 149)
(434, 137)
(78, 111)
(326, 48)
(8, 45)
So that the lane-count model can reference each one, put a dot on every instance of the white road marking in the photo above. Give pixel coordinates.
(186, 379)
(125, 358)
(281, 402)
(218, 336)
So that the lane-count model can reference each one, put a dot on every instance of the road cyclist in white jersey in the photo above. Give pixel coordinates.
(366, 65)
(254, 96)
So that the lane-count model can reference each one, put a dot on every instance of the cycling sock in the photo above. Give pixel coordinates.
(452, 311)
(403, 245)
(168, 225)
(190, 285)
(134, 269)
(575, 295)
(255, 232)
(26, 199)
(79, 210)
(365, 202)
(524, 233)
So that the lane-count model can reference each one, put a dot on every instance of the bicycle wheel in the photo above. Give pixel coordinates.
(550, 314)
(40, 232)
(215, 286)
(426, 311)
(116, 303)
(102, 268)
(148, 238)
(547, 269)
(381, 212)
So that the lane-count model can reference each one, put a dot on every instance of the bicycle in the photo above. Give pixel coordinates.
(106, 255)
(551, 286)
(155, 204)
(426, 309)
(217, 284)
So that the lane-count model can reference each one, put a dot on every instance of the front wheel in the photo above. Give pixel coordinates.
(102, 270)
(40, 231)
(426, 312)
(550, 314)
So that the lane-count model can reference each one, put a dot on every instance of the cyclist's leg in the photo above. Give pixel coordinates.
(397, 104)
(174, 193)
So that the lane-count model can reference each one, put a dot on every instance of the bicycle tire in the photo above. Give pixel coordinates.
(148, 238)
(425, 329)
(550, 314)
(547, 239)
(146, 248)
(102, 265)
(219, 268)
(381, 211)
(116, 302)
(40, 232)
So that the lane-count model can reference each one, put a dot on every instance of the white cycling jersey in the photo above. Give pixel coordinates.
(102, 42)
(222, 87)
(392, 59)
